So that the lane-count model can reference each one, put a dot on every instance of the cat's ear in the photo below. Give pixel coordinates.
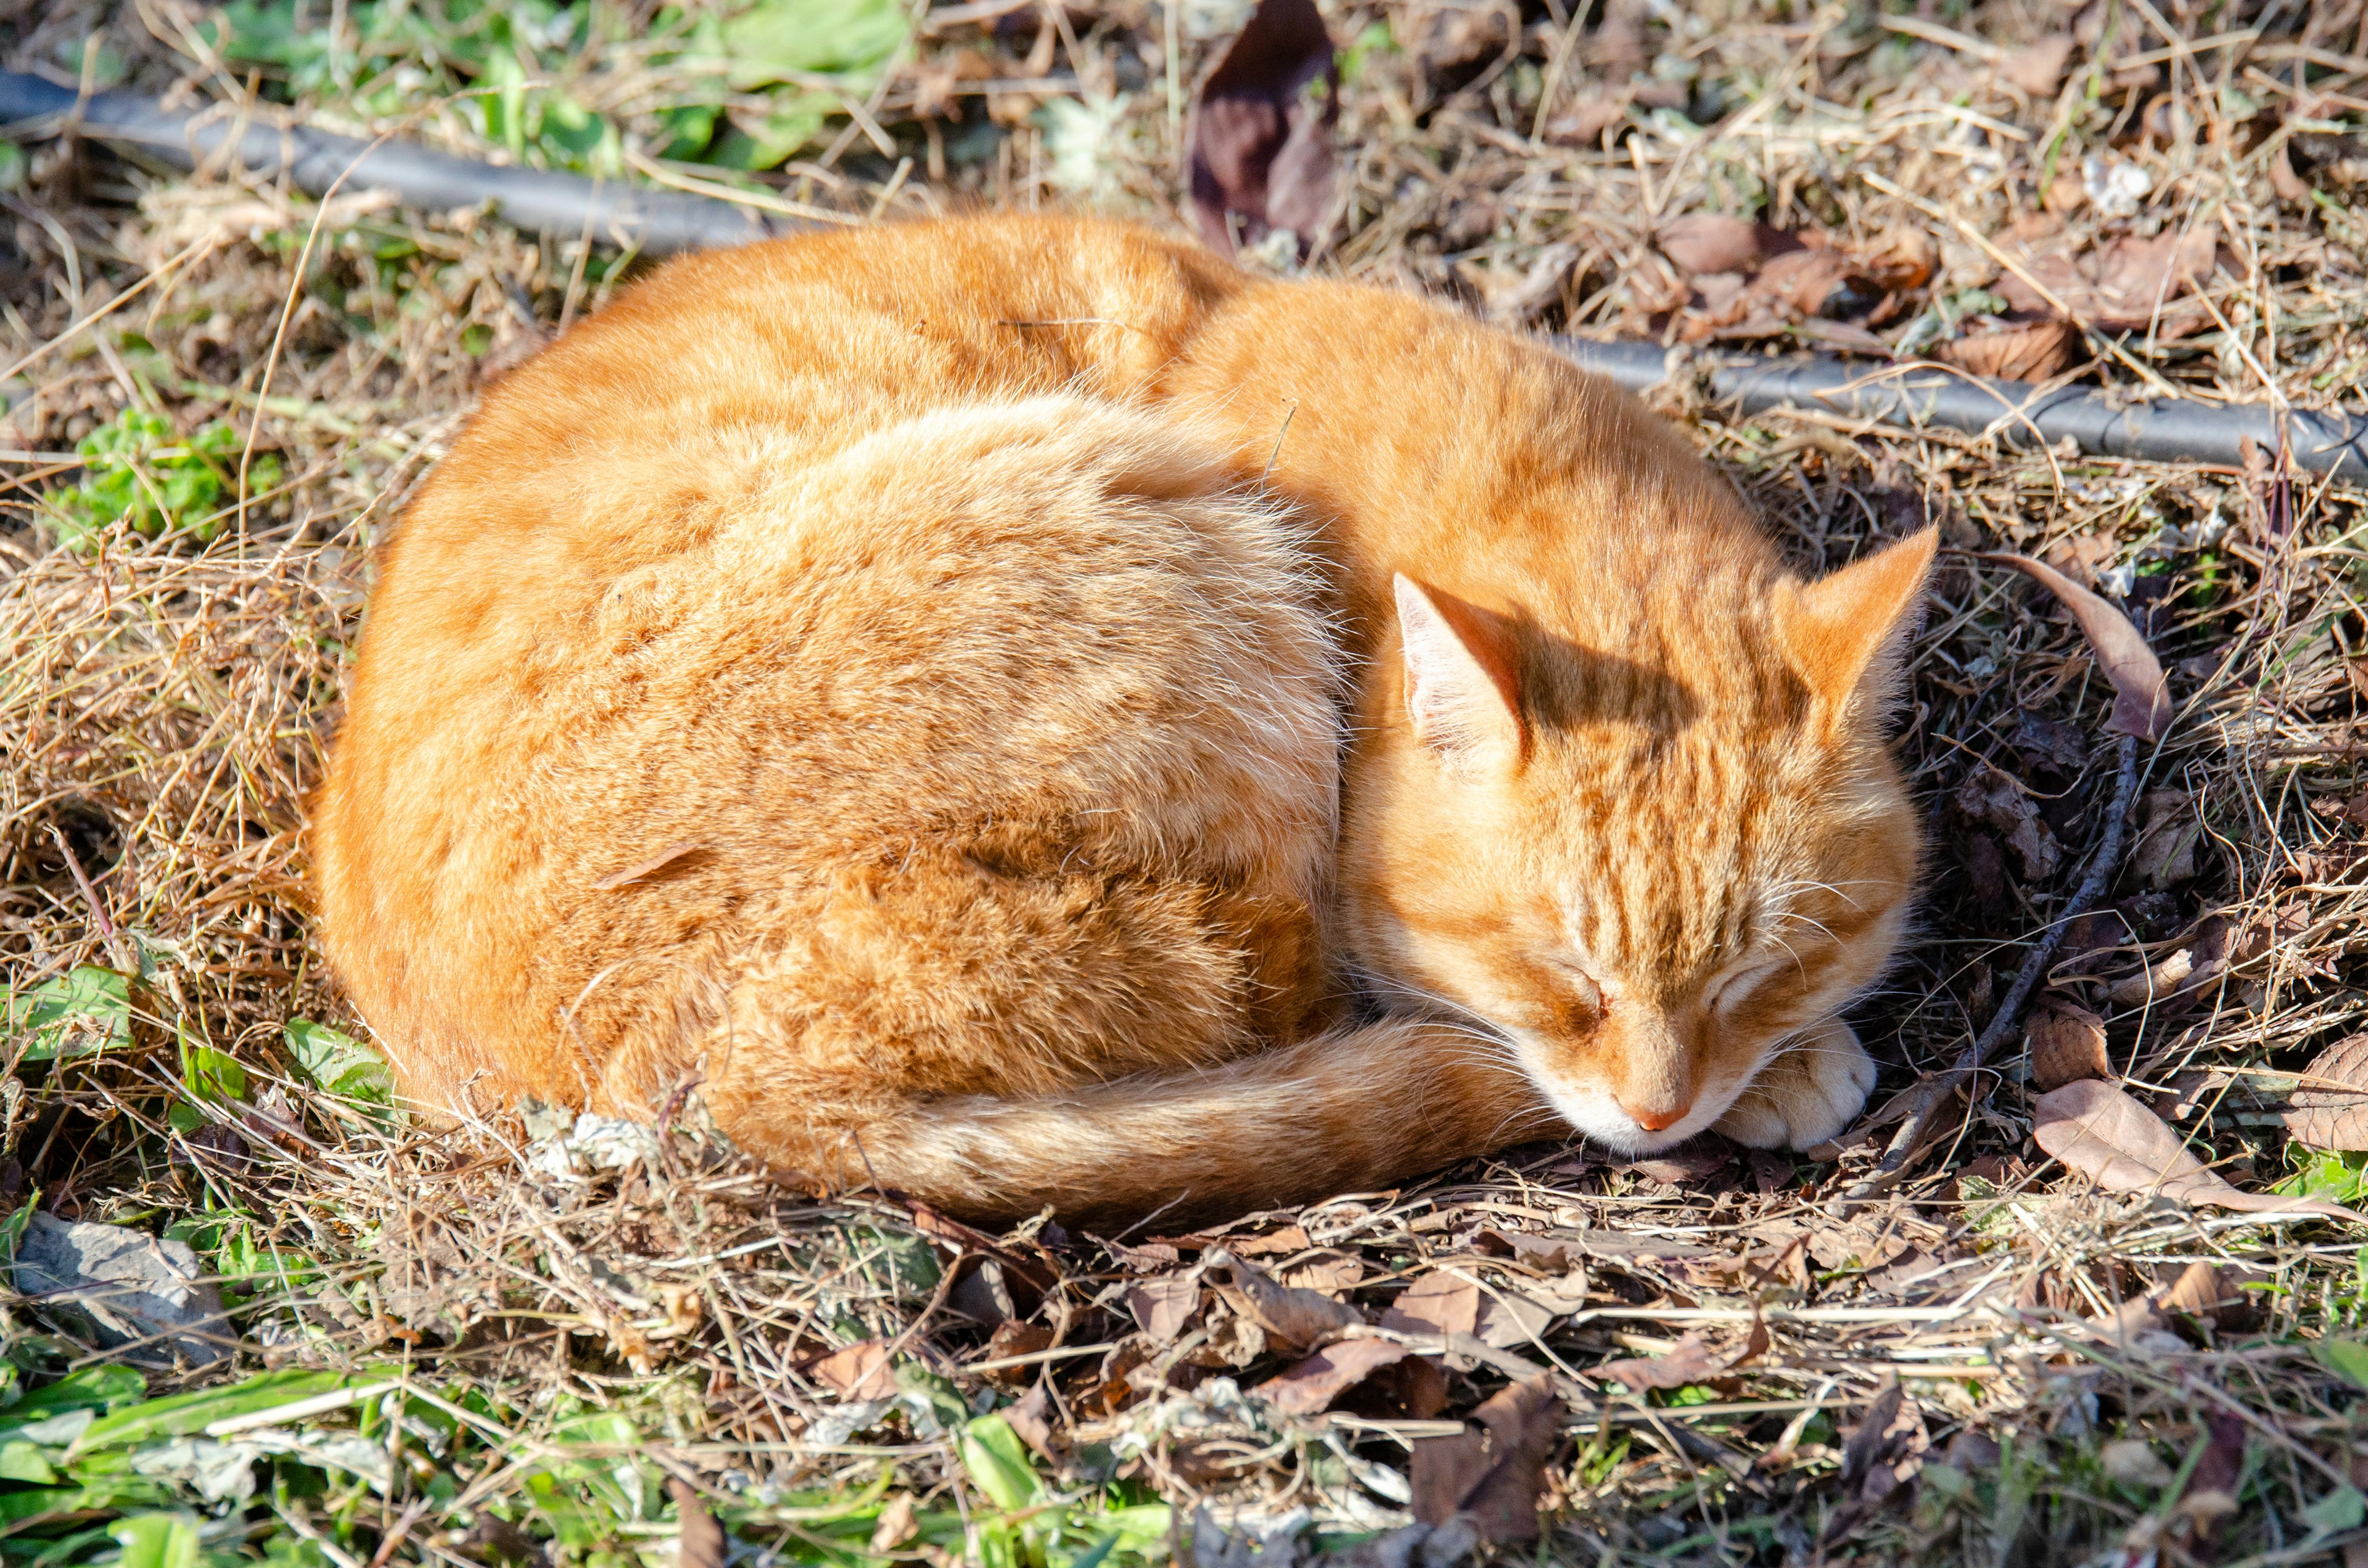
(1844, 633)
(1463, 678)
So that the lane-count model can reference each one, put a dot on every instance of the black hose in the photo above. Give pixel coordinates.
(663, 222)
(2168, 430)
(625, 216)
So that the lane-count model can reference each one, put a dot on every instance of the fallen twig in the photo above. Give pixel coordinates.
(1908, 1140)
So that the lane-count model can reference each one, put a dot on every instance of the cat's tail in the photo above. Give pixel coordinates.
(1356, 1109)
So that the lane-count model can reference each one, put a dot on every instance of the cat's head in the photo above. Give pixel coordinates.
(1648, 866)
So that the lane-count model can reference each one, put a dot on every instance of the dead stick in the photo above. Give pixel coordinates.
(1940, 1087)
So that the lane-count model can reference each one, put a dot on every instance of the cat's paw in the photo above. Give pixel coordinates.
(1805, 1096)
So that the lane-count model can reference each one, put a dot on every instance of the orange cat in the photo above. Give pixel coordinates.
(898, 678)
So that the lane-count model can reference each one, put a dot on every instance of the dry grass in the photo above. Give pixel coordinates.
(569, 1339)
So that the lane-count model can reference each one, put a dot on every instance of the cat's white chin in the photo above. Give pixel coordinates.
(1598, 1118)
(1596, 1114)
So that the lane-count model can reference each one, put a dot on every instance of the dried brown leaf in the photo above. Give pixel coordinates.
(1011, 1339)
(1300, 1320)
(2100, 1132)
(896, 1525)
(1333, 1273)
(1585, 121)
(2141, 693)
(1289, 1239)
(1436, 1303)
(701, 1542)
(2028, 351)
(1163, 1304)
(1508, 1318)
(2164, 855)
(1997, 800)
(1799, 283)
(1692, 1362)
(1258, 151)
(860, 1371)
(2134, 284)
(1902, 259)
(1703, 242)
(2038, 68)
(2210, 1294)
(1313, 1384)
(2324, 1116)
(2067, 1043)
(1492, 1477)
(1882, 1452)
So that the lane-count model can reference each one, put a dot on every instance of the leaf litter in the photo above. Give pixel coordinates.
(589, 1309)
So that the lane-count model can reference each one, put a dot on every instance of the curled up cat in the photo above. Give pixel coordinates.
(1025, 714)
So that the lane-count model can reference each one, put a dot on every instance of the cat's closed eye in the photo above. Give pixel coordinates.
(1729, 989)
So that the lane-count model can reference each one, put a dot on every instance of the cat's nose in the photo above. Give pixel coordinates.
(1657, 1119)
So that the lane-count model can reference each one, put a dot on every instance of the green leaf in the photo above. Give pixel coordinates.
(999, 1464)
(157, 1540)
(12, 1229)
(2341, 1509)
(182, 1414)
(21, 1460)
(1140, 1527)
(85, 1010)
(210, 1075)
(780, 40)
(2346, 1357)
(93, 1387)
(339, 1064)
(43, 1504)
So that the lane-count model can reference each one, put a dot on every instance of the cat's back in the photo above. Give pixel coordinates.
(792, 557)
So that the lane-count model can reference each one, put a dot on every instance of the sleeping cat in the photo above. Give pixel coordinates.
(1026, 715)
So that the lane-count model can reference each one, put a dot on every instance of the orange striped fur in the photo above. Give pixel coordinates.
(1028, 715)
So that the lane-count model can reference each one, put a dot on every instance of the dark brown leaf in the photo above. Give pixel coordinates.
(701, 1543)
(2051, 743)
(1012, 1338)
(2029, 351)
(2067, 1043)
(1884, 1451)
(2322, 1113)
(1996, 800)
(2100, 1132)
(1690, 1362)
(1492, 1477)
(2141, 694)
(1313, 1384)
(2211, 1493)
(1259, 150)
